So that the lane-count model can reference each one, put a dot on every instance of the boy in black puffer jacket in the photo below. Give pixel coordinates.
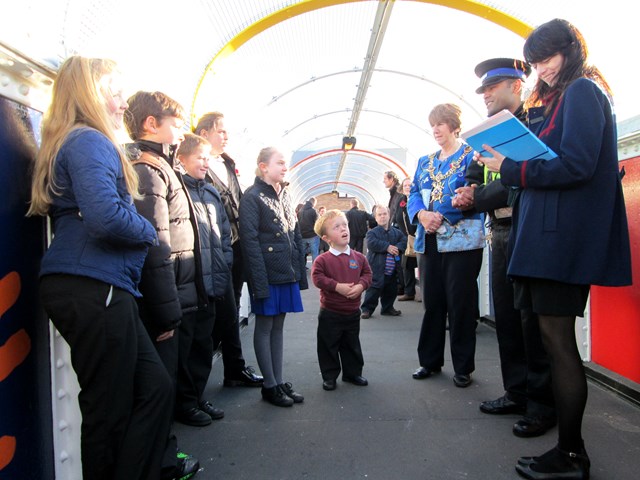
(170, 285)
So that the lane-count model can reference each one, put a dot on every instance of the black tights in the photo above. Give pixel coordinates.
(567, 378)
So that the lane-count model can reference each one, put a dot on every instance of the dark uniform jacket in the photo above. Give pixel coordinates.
(270, 239)
(490, 194)
(214, 232)
(170, 270)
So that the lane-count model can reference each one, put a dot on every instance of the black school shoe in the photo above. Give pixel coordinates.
(555, 464)
(287, 388)
(193, 417)
(275, 396)
(245, 378)
(213, 412)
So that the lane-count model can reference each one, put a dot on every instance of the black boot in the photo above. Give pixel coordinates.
(275, 396)
(556, 464)
(287, 388)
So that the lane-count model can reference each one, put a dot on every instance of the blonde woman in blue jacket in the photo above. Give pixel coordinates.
(90, 273)
(449, 245)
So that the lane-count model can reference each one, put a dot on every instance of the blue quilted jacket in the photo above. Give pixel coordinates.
(97, 231)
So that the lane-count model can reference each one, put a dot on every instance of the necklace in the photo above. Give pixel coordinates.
(437, 179)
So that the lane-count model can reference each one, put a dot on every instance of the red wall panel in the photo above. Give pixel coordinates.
(615, 312)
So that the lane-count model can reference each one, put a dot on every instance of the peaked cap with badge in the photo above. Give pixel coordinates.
(495, 70)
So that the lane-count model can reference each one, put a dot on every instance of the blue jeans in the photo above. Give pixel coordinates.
(311, 245)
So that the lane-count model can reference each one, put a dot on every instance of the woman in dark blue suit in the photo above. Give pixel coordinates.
(569, 223)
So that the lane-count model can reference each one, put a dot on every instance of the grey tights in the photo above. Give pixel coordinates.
(268, 344)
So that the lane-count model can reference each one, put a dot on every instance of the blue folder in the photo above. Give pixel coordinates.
(509, 136)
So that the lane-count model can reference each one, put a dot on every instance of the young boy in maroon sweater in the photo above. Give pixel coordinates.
(341, 274)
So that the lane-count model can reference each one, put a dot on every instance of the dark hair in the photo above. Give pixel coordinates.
(447, 113)
(143, 105)
(207, 122)
(558, 36)
(391, 175)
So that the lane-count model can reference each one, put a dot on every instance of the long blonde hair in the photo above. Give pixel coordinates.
(77, 101)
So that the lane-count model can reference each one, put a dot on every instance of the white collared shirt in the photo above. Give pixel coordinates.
(216, 164)
(337, 253)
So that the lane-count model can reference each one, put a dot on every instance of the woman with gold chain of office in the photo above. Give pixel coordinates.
(449, 246)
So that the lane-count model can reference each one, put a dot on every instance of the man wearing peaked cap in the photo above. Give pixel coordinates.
(496, 70)
(524, 365)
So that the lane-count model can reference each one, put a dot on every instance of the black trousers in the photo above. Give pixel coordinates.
(526, 373)
(387, 295)
(408, 270)
(357, 243)
(195, 349)
(339, 344)
(126, 393)
(226, 333)
(237, 273)
(449, 290)
(168, 351)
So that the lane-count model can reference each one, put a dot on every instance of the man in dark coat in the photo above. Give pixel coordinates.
(525, 367)
(307, 217)
(358, 225)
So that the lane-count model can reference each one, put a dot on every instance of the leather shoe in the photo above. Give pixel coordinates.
(530, 426)
(555, 464)
(404, 298)
(365, 314)
(502, 406)
(392, 312)
(462, 381)
(245, 378)
(194, 417)
(275, 396)
(423, 372)
(287, 389)
(209, 409)
(356, 380)
(329, 385)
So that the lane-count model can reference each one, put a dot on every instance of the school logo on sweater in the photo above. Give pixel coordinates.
(353, 264)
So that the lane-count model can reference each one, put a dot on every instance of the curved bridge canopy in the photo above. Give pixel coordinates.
(302, 74)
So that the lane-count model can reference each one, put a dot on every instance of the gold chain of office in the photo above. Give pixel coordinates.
(437, 180)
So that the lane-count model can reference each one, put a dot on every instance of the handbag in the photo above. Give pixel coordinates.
(409, 252)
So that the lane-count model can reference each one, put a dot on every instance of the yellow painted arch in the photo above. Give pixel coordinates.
(304, 6)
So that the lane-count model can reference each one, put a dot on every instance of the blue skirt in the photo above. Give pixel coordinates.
(284, 298)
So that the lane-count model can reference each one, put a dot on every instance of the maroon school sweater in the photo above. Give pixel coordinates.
(328, 270)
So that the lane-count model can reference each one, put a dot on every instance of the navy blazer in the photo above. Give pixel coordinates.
(569, 222)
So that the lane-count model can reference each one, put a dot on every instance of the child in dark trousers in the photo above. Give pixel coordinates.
(385, 243)
(171, 290)
(341, 274)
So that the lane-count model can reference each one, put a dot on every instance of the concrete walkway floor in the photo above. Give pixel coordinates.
(397, 428)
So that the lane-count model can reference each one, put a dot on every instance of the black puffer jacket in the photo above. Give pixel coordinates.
(168, 283)
(215, 236)
(270, 239)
